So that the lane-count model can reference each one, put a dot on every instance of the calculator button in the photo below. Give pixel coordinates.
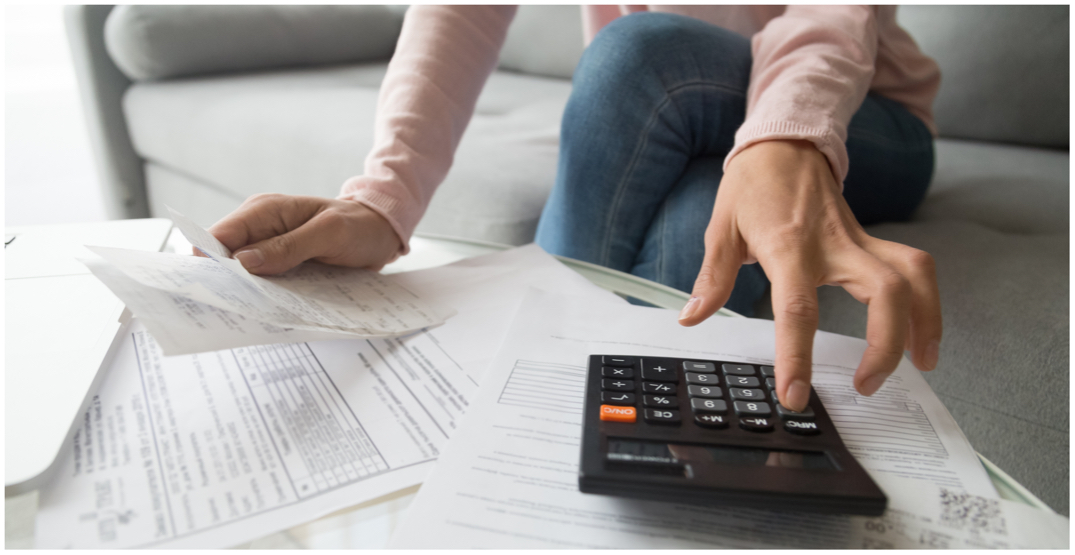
(801, 427)
(659, 372)
(659, 388)
(737, 369)
(757, 424)
(618, 385)
(660, 401)
(788, 414)
(701, 379)
(709, 405)
(710, 420)
(659, 416)
(752, 408)
(618, 361)
(742, 381)
(768, 371)
(613, 372)
(614, 398)
(611, 413)
(746, 394)
(703, 367)
(770, 383)
(704, 391)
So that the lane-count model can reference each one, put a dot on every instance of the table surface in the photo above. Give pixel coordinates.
(370, 524)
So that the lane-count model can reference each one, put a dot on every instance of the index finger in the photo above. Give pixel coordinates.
(795, 314)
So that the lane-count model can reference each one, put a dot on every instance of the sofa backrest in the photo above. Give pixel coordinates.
(1004, 69)
(153, 42)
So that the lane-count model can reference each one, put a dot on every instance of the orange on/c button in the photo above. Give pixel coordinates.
(612, 413)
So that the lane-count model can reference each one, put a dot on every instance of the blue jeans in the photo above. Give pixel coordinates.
(655, 104)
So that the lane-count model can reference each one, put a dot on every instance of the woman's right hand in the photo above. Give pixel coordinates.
(272, 233)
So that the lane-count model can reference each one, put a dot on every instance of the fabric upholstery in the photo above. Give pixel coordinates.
(1004, 70)
(558, 32)
(159, 41)
(306, 131)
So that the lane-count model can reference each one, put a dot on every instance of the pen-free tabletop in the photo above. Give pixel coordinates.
(370, 524)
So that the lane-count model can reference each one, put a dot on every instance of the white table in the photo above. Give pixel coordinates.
(370, 524)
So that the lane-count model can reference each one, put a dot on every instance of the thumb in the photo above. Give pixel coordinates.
(281, 253)
(715, 279)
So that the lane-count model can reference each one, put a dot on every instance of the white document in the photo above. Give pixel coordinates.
(219, 448)
(509, 478)
(193, 304)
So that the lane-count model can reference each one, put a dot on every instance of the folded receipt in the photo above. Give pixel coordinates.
(194, 304)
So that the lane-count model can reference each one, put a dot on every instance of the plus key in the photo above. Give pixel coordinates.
(659, 371)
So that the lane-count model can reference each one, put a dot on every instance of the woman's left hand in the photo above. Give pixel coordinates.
(780, 205)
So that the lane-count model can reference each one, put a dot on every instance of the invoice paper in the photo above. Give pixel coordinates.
(219, 448)
(193, 304)
(509, 478)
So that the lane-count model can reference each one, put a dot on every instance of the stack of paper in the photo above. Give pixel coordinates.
(193, 304)
(219, 448)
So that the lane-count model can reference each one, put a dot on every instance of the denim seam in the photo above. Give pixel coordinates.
(621, 188)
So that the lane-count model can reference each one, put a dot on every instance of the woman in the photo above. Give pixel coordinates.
(689, 152)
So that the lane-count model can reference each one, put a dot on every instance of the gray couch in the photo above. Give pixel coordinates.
(199, 108)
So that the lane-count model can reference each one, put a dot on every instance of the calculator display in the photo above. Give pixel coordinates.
(625, 450)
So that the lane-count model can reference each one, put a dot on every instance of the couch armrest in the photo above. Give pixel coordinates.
(161, 42)
(101, 86)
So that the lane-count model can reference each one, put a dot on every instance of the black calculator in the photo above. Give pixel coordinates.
(712, 432)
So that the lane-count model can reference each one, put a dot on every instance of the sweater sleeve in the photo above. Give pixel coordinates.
(443, 57)
(811, 71)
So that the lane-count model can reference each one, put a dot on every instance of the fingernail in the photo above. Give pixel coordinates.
(250, 259)
(873, 383)
(798, 395)
(933, 353)
(689, 309)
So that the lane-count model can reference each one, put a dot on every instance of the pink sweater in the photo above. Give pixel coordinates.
(813, 66)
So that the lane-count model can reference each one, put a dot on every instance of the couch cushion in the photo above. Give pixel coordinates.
(160, 42)
(544, 40)
(1004, 70)
(306, 131)
(1005, 188)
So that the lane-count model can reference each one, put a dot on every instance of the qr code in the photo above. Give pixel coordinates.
(964, 511)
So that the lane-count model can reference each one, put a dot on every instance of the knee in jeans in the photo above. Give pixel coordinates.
(647, 42)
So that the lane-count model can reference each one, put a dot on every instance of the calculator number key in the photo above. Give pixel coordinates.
(709, 405)
(615, 398)
(611, 413)
(701, 367)
(704, 391)
(660, 401)
(742, 381)
(617, 385)
(661, 416)
(788, 414)
(613, 372)
(768, 371)
(659, 388)
(746, 394)
(752, 408)
(710, 420)
(701, 379)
